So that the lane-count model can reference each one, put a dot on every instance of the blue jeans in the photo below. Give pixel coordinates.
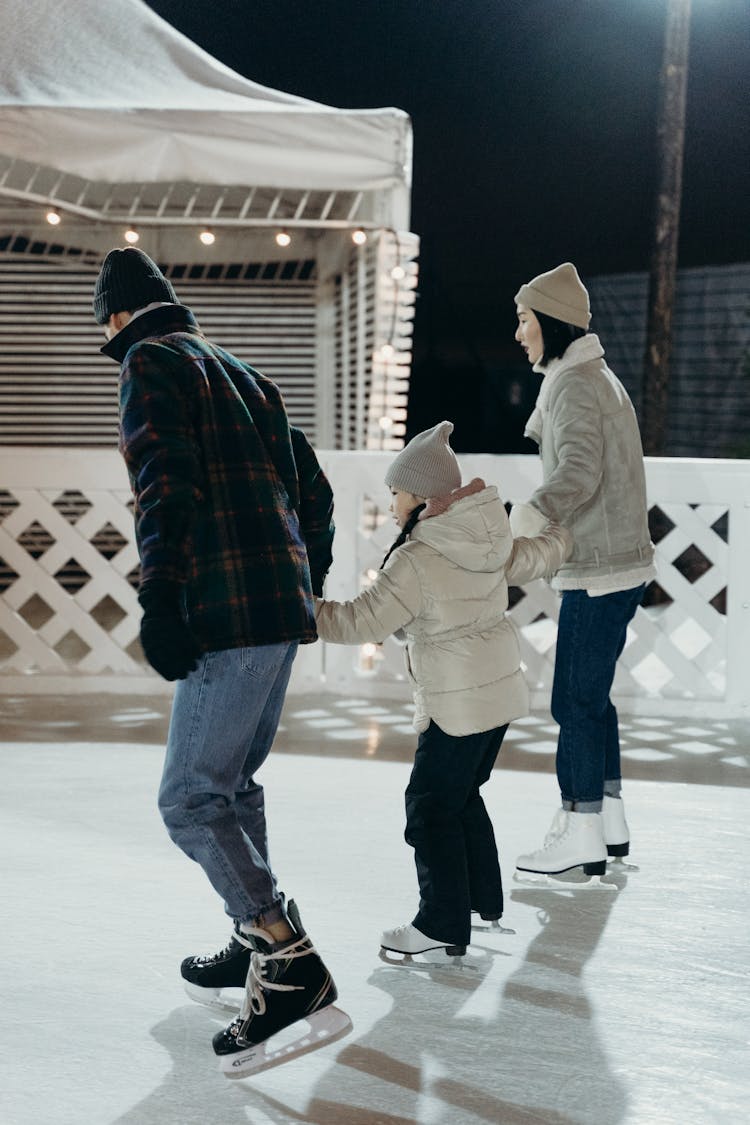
(224, 719)
(448, 826)
(591, 635)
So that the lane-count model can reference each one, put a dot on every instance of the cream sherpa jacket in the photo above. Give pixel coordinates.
(594, 481)
(446, 588)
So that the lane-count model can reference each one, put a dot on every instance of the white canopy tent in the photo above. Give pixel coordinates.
(112, 93)
(113, 125)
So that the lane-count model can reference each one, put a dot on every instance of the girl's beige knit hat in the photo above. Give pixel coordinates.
(427, 466)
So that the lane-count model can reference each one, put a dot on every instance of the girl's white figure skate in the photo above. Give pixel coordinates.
(575, 841)
(287, 987)
(408, 941)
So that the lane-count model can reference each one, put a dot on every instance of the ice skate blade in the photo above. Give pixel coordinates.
(393, 957)
(323, 1027)
(490, 928)
(216, 998)
(618, 863)
(555, 882)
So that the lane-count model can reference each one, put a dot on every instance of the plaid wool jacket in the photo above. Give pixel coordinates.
(230, 501)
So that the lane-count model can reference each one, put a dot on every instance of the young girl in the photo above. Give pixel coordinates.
(444, 587)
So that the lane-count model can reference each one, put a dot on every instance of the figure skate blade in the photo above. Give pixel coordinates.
(490, 928)
(428, 960)
(571, 880)
(617, 864)
(314, 1031)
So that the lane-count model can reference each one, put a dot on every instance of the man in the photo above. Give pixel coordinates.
(234, 528)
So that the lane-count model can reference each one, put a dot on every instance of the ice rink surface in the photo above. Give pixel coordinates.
(604, 1007)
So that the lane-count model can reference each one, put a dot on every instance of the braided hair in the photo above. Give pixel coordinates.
(405, 532)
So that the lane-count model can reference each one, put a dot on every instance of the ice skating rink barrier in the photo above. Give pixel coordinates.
(69, 571)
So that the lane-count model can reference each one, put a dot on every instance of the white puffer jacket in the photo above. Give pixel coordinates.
(447, 589)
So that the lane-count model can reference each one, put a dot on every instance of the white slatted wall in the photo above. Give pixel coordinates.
(355, 342)
(55, 387)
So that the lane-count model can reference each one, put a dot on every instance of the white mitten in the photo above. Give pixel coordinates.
(526, 520)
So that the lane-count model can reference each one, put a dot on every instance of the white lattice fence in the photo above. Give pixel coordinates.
(687, 645)
(68, 571)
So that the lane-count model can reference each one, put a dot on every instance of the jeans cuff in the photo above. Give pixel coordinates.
(266, 915)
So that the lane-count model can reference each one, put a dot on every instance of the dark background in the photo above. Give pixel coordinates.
(534, 143)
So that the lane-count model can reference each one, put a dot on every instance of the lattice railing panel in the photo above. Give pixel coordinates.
(70, 606)
(69, 567)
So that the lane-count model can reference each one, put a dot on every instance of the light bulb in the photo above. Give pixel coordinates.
(207, 237)
(283, 238)
(53, 217)
(387, 351)
(132, 236)
(385, 423)
(398, 273)
(359, 237)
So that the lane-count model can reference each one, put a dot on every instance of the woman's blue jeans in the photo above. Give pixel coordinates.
(224, 720)
(591, 635)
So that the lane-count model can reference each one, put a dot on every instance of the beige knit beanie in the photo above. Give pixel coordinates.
(427, 466)
(560, 293)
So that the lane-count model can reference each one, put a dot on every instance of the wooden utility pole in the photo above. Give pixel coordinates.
(671, 144)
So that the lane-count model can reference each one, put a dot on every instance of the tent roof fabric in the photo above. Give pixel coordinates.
(111, 92)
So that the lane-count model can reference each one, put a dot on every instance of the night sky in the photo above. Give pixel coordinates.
(534, 143)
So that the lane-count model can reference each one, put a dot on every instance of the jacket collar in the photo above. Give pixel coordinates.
(582, 350)
(158, 322)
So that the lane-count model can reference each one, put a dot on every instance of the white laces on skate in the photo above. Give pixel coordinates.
(257, 982)
(558, 828)
(203, 960)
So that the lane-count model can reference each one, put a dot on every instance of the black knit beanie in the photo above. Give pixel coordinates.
(127, 281)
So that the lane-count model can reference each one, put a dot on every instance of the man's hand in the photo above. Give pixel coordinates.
(167, 642)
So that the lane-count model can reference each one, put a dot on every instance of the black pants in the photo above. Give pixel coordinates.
(448, 827)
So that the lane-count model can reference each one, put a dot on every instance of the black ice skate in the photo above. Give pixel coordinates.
(207, 978)
(284, 986)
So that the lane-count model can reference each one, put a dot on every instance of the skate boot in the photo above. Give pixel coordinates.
(409, 940)
(206, 978)
(575, 840)
(616, 834)
(287, 983)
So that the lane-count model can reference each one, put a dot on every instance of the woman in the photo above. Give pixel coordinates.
(594, 485)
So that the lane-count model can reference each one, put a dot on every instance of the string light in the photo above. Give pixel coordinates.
(207, 237)
(283, 238)
(132, 236)
(398, 273)
(387, 351)
(53, 217)
(385, 423)
(359, 237)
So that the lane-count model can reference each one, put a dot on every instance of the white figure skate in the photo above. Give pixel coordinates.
(616, 834)
(408, 941)
(575, 841)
